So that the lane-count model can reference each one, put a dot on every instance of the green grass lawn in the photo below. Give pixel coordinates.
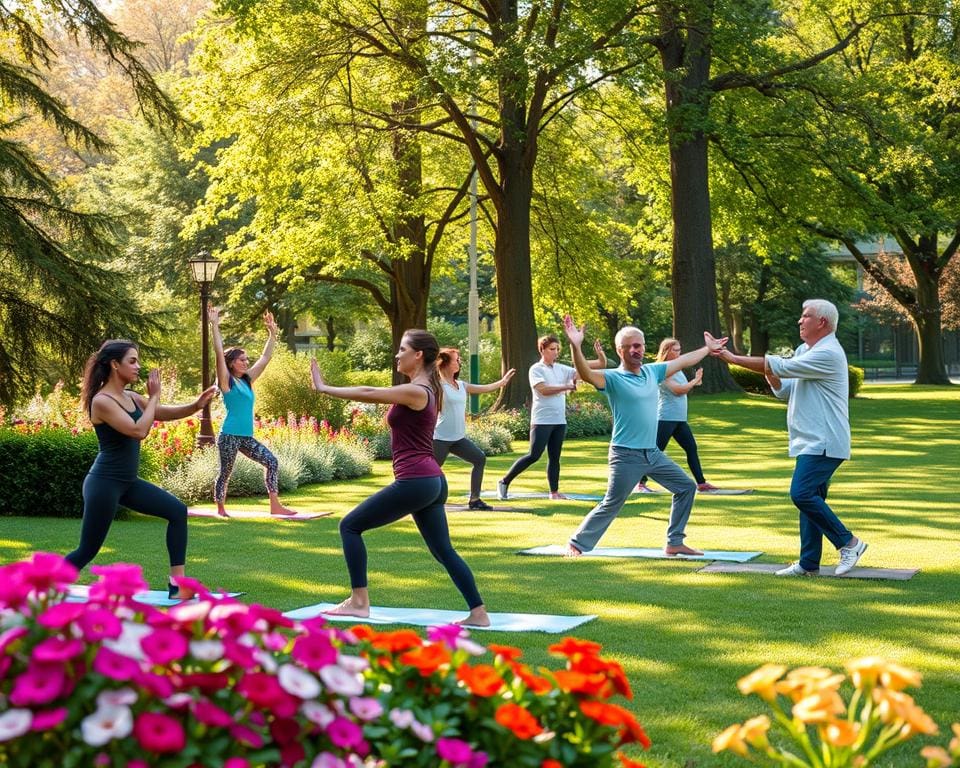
(683, 637)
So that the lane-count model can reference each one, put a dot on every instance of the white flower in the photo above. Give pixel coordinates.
(190, 611)
(178, 700)
(352, 663)
(11, 618)
(15, 723)
(326, 760)
(298, 682)
(341, 681)
(122, 697)
(402, 718)
(128, 644)
(317, 713)
(421, 731)
(474, 649)
(266, 661)
(206, 650)
(106, 724)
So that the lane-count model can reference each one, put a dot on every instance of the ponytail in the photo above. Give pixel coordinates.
(97, 370)
(425, 342)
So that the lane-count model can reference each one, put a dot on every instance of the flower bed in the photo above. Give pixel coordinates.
(113, 682)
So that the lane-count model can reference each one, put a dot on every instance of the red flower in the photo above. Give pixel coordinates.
(534, 682)
(551, 763)
(428, 659)
(515, 718)
(618, 717)
(626, 762)
(481, 680)
(395, 642)
(509, 652)
(159, 733)
(573, 648)
(578, 682)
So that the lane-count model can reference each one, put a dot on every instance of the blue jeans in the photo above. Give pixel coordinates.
(808, 492)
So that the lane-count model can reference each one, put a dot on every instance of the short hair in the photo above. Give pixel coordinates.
(545, 341)
(665, 346)
(825, 309)
(627, 330)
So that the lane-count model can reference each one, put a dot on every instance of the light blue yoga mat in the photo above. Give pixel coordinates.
(430, 617)
(540, 495)
(553, 550)
(80, 593)
(256, 514)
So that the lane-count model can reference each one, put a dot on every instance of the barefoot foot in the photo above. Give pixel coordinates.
(555, 495)
(176, 592)
(681, 549)
(282, 511)
(572, 551)
(222, 512)
(349, 608)
(478, 618)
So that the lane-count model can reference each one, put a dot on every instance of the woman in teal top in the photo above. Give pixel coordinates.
(235, 376)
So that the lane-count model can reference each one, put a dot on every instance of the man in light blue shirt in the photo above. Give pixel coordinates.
(815, 384)
(633, 392)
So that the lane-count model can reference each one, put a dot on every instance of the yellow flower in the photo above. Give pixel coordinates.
(840, 733)
(754, 731)
(892, 705)
(918, 721)
(730, 739)
(936, 757)
(866, 671)
(805, 681)
(761, 681)
(818, 707)
(897, 678)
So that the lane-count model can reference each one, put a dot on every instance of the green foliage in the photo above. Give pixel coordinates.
(755, 383)
(492, 439)
(371, 348)
(284, 387)
(585, 418)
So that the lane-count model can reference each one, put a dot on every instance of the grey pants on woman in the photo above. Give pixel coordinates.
(627, 466)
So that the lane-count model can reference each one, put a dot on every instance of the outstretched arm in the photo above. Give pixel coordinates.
(683, 389)
(223, 373)
(174, 412)
(690, 359)
(105, 410)
(586, 373)
(410, 395)
(480, 389)
(257, 368)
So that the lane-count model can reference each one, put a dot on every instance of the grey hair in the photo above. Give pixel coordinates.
(826, 310)
(627, 330)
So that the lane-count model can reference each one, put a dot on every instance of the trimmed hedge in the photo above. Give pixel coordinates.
(585, 418)
(754, 382)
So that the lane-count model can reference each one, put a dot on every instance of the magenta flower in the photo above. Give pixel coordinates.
(14, 591)
(47, 570)
(163, 646)
(344, 733)
(263, 691)
(314, 651)
(60, 615)
(47, 719)
(11, 636)
(446, 634)
(159, 733)
(117, 580)
(98, 624)
(57, 650)
(240, 654)
(232, 619)
(159, 685)
(235, 762)
(284, 730)
(454, 751)
(209, 713)
(246, 736)
(114, 665)
(479, 760)
(40, 684)
(366, 707)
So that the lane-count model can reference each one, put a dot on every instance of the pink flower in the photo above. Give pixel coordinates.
(298, 682)
(326, 760)
(159, 685)
(352, 663)
(236, 762)
(340, 681)
(344, 733)
(209, 713)
(366, 707)
(11, 636)
(117, 580)
(14, 591)
(454, 751)
(446, 634)
(314, 651)
(46, 570)
(48, 719)
(40, 684)
(14, 723)
(106, 724)
(163, 646)
(263, 691)
(317, 713)
(57, 650)
(232, 619)
(98, 624)
(159, 733)
(119, 697)
(59, 615)
(206, 650)
(114, 665)
(421, 731)
(247, 736)
(402, 718)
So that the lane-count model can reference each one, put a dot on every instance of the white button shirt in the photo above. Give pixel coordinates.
(816, 385)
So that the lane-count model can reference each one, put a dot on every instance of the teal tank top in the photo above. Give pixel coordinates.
(238, 401)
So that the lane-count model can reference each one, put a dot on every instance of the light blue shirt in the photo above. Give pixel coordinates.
(633, 399)
(672, 407)
(238, 400)
(816, 385)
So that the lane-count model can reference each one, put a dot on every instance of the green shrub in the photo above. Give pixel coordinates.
(368, 378)
(515, 421)
(371, 348)
(349, 458)
(587, 418)
(856, 379)
(492, 439)
(754, 382)
(285, 387)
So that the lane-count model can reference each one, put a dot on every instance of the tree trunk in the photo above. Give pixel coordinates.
(926, 316)
(760, 336)
(331, 334)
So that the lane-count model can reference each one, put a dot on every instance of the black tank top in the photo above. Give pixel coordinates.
(119, 456)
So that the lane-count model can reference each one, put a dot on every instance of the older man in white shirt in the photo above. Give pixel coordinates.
(815, 383)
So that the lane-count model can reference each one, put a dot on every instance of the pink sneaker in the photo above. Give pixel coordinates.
(643, 488)
(706, 487)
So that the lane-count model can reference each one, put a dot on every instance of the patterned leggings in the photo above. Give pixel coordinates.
(229, 446)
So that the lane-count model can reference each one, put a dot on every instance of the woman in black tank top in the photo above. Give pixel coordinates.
(122, 419)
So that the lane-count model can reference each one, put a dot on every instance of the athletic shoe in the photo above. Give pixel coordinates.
(643, 488)
(479, 504)
(795, 570)
(706, 487)
(502, 490)
(849, 557)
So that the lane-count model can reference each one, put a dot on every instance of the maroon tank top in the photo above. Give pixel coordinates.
(411, 439)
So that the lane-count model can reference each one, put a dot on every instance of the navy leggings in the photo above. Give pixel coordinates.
(101, 498)
(549, 436)
(467, 450)
(680, 431)
(423, 498)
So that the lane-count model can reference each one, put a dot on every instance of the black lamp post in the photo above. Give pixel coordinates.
(204, 268)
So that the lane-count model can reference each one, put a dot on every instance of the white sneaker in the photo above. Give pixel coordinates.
(502, 490)
(794, 569)
(849, 557)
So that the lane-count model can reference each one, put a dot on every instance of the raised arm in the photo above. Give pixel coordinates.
(601, 362)
(174, 412)
(223, 373)
(257, 368)
(480, 389)
(105, 410)
(410, 395)
(683, 389)
(690, 359)
(586, 373)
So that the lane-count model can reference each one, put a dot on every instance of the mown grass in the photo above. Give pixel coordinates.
(684, 637)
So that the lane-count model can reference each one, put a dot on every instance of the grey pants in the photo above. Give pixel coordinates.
(627, 466)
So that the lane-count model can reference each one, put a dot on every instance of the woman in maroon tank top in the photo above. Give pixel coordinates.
(419, 488)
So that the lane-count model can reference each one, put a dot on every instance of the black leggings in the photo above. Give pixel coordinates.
(549, 436)
(102, 496)
(680, 431)
(467, 450)
(423, 498)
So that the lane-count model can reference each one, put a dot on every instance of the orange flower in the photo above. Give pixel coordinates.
(617, 716)
(866, 671)
(805, 681)
(754, 731)
(897, 678)
(573, 648)
(730, 739)
(761, 681)
(626, 762)
(577, 682)
(481, 680)
(394, 642)
(506, 651)
(517, 719)
(840, 733)
(362, 631)
(892, 705)
(534, 682)
(936, 757)
(818, 707)
(551, 763)
(612, 669)
(428, 658)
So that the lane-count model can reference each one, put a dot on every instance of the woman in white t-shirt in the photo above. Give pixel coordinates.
(550, 381)
(450, 434)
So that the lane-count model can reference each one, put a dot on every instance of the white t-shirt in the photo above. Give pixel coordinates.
(452, 419)
(550, 409)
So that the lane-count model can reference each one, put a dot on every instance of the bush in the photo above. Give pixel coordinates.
(371, 348)
(216, 682)
(285, 387)
(754, 382)
(586, 417)
(492, 439)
